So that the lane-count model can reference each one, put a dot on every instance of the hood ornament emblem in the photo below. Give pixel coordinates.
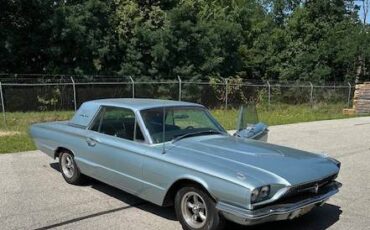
(240, 176)
(316, 188)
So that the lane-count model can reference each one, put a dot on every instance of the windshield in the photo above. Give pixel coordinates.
(179, 121)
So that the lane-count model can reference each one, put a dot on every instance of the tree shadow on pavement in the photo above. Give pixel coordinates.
(319, 218)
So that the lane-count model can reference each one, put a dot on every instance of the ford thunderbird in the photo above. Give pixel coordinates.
(176, 153)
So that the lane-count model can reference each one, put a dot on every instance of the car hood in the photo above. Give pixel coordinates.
(267, 163)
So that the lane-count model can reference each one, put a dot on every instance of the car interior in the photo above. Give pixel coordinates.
(118, 126)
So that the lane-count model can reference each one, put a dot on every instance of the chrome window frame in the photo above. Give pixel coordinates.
(138, 121)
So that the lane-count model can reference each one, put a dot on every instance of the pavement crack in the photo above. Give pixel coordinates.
(367, 123)
(90, 216)
(352, 153)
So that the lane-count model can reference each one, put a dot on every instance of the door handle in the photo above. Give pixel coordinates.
(91, 141)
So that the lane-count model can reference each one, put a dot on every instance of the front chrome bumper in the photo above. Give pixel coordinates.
(275, 212)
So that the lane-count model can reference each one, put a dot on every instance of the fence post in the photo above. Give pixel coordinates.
(269, 93)
(74, 93)
(349, 94)
(2, 103)
(311, 94)
(226, 92)
(180, 92)
(133, 87)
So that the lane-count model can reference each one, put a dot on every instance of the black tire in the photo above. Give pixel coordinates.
(72, 176)
(211, 221)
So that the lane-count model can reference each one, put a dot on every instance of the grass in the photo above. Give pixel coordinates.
(285, 114)
(14, 137)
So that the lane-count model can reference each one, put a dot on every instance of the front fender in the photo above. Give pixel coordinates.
(218, 188)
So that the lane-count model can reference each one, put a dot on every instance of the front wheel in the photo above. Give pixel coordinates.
(196, 210)
(69, 169)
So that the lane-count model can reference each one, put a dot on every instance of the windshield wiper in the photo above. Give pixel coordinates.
(211, 131)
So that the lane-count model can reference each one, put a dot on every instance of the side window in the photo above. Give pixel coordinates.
(118, 122)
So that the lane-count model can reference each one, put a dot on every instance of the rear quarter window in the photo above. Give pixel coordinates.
(85, 114)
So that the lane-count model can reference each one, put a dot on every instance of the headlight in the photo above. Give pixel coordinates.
(254, 195)
(265, 191)
(260, 194)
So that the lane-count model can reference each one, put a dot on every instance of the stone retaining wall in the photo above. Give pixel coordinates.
(361, 99)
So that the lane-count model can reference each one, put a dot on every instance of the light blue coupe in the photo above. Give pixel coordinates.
(176, 153)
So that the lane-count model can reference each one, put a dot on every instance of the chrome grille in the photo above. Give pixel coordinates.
(311, 187)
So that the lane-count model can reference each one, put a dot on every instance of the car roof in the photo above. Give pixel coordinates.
(141, 103)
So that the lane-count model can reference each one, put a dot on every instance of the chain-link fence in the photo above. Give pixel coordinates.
(59, 92)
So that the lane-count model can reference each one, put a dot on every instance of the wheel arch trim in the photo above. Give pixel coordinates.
(181, 182)
(59, 149)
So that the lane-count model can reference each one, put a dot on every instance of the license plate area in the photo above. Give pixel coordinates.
(300, 212)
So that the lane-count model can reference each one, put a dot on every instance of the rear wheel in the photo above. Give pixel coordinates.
(69, 169)
(196, 210)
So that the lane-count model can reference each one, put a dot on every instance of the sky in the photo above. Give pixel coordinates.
(361, 12)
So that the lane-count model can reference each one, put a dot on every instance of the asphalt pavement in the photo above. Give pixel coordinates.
(35, 196)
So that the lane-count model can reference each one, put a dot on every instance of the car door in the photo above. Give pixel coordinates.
(115, 148)
(248, 124)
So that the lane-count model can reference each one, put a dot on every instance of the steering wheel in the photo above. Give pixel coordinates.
(190, 127)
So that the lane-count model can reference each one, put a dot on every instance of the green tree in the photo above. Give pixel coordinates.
(24, 29)
(318, 43)
(292, 40)
(83, 39)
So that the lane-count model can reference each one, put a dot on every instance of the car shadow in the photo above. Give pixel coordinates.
(319, 218)
(131, 200)
(165, 212)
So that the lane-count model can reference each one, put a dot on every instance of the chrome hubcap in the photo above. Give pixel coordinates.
(194, 210)
(68, 166)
